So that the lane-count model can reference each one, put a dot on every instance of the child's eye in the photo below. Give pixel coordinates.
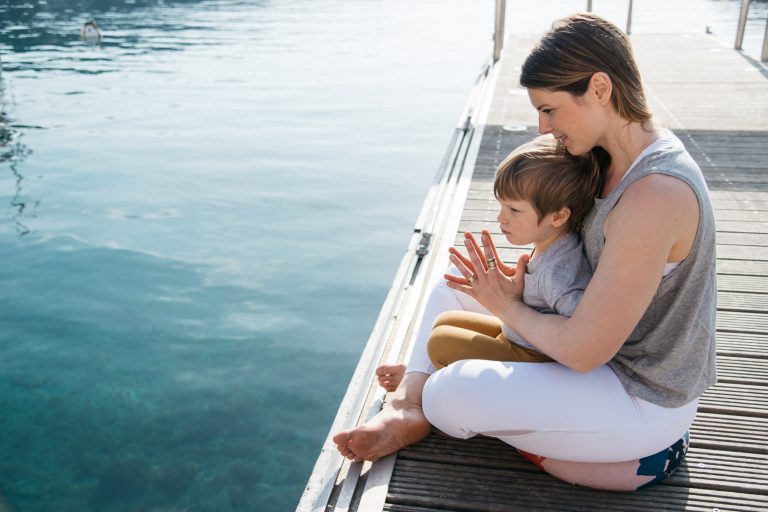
(547, 111)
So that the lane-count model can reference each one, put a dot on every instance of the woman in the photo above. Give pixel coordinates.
(639, 349)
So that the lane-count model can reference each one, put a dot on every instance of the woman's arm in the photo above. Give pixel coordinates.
(654, 222)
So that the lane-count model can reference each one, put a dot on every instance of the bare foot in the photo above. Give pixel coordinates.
(390, 375)
(400, 423)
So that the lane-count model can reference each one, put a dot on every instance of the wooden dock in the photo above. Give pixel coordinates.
(716, 100)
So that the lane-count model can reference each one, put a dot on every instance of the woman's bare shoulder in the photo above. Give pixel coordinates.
(657, 197)
(661, 210)
(660, 188)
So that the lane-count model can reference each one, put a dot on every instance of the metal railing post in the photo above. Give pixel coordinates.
(742, 24)
(498, 36)
(764, 54)
(589, 5)
(629, 18)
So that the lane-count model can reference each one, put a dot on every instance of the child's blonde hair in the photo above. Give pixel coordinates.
(550, 178)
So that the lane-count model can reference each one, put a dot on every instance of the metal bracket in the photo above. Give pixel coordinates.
(426, 240)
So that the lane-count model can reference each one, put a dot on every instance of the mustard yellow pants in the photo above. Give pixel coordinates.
(459, 335)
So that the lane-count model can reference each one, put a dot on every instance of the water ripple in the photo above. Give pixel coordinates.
(46, 36)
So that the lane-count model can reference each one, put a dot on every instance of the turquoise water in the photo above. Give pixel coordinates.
(201, 217)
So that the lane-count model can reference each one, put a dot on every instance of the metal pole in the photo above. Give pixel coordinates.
(589, 5)
(629, 18)
(742, 23)
(498, 36)
(764, 55)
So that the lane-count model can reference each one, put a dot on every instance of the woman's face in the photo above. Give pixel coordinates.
(576, 122)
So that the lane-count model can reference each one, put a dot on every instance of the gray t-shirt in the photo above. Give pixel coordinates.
(555, 281)
(669, 358)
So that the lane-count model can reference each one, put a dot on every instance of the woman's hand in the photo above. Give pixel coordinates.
(496, 286)
(503, 267)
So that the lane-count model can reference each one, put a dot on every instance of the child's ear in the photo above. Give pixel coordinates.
(561, 216)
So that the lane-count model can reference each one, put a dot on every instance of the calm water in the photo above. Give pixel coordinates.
(200, 219)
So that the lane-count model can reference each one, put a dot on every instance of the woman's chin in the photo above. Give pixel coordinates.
(576, 151)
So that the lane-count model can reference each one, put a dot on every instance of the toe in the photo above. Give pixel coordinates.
(390, 369)
(341, 438)
(383, 370)
(342, 443)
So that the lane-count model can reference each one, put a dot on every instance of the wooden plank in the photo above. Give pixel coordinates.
(733, 226)
(723, 470)
(735, 321)
(711, 456)
(742, 284)
(752, 345)
(729, 432)
(739, 204)
(736, 184)
(697, 503)
(737, 301)
(377, 483)
(741, 196)
(731, 238)
(742, 267)
(736, 252)
(742, 370)
(738, 399)
(746, 215)
(455, 487)
(481, 203)
(694, 501)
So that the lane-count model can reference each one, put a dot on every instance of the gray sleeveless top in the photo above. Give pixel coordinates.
(669, 359)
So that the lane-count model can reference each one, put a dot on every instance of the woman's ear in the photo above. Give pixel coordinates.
(561, 216)
(601, 87)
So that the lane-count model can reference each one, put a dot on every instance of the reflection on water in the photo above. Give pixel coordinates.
(12, 152)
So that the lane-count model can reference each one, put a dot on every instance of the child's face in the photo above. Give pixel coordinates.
(520, 224)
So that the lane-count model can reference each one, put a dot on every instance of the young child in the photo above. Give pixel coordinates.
(545, 194)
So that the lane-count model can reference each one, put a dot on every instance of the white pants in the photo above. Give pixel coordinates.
(441, 298)
(542, 408)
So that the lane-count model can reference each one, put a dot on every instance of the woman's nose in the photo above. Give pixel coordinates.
(544, 127)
